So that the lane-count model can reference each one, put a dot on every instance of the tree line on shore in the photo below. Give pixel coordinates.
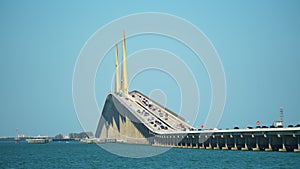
(75, 135)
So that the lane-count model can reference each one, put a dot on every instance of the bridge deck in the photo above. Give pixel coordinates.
(155, 117)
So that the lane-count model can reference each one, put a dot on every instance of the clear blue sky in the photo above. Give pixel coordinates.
(258, 43)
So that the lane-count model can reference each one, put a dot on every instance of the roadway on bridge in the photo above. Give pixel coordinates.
(154, 116)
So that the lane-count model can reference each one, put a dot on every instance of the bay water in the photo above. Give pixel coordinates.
(78, 155)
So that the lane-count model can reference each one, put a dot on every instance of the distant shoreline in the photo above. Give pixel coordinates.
(52, 139)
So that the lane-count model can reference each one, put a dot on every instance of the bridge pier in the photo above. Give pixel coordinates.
(256, 148)
(190, 141)
(226, 143)
(235, 143)
(155, 141)
(184, 144)
(209, 147)
(201, 141)
(283, 149)
(298, 143)
(217, 145)
(179, 142)
(175, 141)
(197, 145)
(160, 141)
(166, 141)
(269, 145)
(245, 148)
(194, 142)
(185, 140)
(172, 141)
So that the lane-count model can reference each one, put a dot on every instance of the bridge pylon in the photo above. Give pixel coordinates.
(124, 80)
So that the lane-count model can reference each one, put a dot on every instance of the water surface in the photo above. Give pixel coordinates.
(78, 155)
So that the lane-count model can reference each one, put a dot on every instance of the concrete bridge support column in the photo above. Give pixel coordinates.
(209, 144)
(226, 145)
(167, 143)
(173, 141)
(178, 142)
(197, 145)
(201, 142)
(194, 143)
(155, 141)
(190, 141)
(270, 143)
(167, 140)
(182, 142)
(235, 142)
(217, 146)
(298, 149)
(159, 140)
(245, 148)
(186, 142)
(202, 146)
(256, 148)
(283, 149)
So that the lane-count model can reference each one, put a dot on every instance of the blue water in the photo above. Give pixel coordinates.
(77, 155)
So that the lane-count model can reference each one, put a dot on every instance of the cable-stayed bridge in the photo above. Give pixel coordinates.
(132, 117)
